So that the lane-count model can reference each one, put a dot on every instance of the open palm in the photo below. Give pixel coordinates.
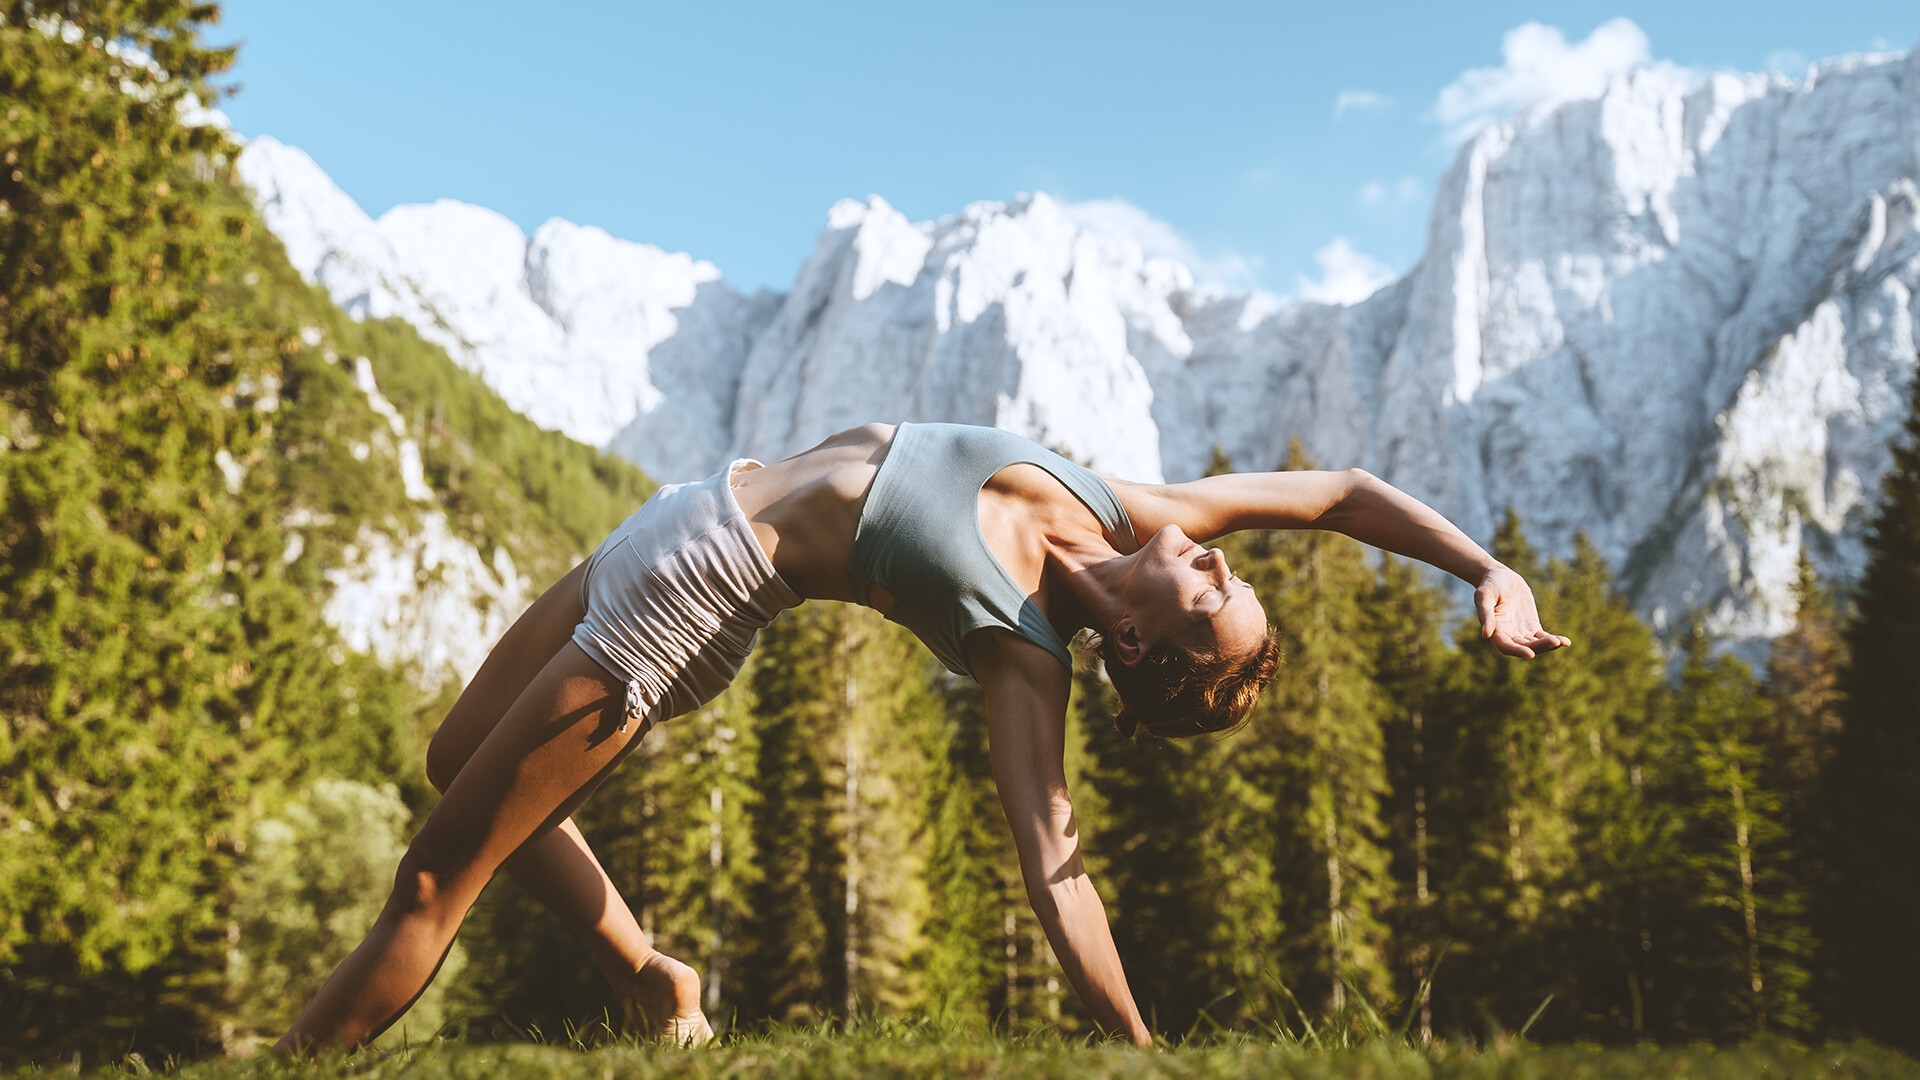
(1508, 617)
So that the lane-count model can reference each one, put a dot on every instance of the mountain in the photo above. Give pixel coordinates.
(1679, 317)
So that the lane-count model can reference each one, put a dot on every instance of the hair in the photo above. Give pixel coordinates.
(1179, 693)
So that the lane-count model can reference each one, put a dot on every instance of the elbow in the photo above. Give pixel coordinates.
(1341, 507)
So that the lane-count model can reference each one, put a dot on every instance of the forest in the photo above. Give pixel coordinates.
(203, 792)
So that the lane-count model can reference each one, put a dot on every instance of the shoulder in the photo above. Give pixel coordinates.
(1149, 507)
(1009, 667)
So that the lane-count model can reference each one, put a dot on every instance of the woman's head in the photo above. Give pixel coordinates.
(1192, 649)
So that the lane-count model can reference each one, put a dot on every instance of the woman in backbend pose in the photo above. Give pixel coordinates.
(992, 550)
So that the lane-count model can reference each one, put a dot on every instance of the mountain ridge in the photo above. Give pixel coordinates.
(1678, 317)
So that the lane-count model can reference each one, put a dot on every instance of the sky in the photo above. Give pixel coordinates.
(1293, 148)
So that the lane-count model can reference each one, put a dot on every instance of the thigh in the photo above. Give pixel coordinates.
(552, 747)
(535, 638)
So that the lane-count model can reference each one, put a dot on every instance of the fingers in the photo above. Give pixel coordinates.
(1483, 605)
(1530, 645)
(1506, 644)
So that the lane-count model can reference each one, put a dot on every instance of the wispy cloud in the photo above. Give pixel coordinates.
(1540, 67)
(1358, 99)
(1228, 272)
(1401, 193)
(1347, 276)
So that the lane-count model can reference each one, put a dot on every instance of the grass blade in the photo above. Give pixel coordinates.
(1528, 1026)
(1420, 995)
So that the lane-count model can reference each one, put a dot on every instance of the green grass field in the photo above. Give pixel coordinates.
(905, 1050)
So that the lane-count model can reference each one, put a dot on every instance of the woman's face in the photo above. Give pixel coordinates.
(1181, 592)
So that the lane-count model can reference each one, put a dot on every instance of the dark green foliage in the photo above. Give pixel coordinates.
(1319, 731)
(170, 394)
(1869, 905)
(158, 675)
(1406, 613)
(1727, 933)
(795, 968)
(963, 961)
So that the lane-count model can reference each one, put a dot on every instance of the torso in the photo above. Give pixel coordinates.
(806, 509)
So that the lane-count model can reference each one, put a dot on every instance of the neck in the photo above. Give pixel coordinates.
(1093, 574)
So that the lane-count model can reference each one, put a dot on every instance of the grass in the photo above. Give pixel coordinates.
(892, 1048)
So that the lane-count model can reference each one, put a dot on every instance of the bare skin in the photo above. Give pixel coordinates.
(537, 730)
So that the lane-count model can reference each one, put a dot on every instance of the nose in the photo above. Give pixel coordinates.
(1215, 561)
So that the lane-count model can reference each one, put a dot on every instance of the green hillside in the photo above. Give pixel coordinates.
(171, 395)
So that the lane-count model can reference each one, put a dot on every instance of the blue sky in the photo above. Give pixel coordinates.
(1257, 140)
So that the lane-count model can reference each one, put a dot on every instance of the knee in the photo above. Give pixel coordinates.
(444, 760)
(422, 886)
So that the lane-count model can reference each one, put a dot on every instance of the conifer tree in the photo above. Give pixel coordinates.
(1182, 860)
(163, 674)
(1727, 932)
(1524, 855)
(838, 917)
(793, 967)
(1406, 615)
(1319, 730)
(964, 967)
(1869, 905)
(1801, 727)
(1180, 845)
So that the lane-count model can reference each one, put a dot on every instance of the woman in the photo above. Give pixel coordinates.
(991, 549)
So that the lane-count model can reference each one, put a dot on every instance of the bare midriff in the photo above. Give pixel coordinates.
(805, 509)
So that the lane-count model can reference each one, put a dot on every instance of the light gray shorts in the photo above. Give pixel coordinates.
(675, 597)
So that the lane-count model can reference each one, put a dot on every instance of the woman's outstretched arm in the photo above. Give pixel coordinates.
(1026, 690)
(1359, 505)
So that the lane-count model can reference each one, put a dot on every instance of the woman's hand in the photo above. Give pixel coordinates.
(1507, 615)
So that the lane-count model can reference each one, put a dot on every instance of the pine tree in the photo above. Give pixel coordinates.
(164, 676)
(844, 719)
(886, 766)
(1182, 860)
(1869, 905)
(796, 929)
(1727, 931)
(1532, 760)
(1321, 756)
(1406, 614)
(964, 964)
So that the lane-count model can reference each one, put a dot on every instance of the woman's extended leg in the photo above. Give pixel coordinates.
(659, 994)
(553, 746)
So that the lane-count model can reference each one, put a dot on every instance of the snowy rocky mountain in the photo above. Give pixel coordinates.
(1680, 317)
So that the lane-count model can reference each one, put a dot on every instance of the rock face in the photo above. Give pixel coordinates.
(1680, 318)
(579, 331)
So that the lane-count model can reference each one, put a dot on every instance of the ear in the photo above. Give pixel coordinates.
(1127, 643)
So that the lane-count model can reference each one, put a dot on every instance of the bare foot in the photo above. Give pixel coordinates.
(662, 1001)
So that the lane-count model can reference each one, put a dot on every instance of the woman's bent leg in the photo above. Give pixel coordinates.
(660, 995)
(547, 753)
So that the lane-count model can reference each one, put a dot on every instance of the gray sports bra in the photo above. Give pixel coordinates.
(919, 536)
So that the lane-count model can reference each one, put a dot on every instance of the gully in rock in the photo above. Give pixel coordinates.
(991, 549)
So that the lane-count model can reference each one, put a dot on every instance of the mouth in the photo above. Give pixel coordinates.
(1189, 546)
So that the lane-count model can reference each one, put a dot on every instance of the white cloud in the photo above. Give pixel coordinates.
(1358, 99)
(1347, 276)
(1403, 192)
(1541, 68)
(1157, 239)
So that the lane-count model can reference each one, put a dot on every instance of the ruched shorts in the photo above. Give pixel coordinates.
(676, 595)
